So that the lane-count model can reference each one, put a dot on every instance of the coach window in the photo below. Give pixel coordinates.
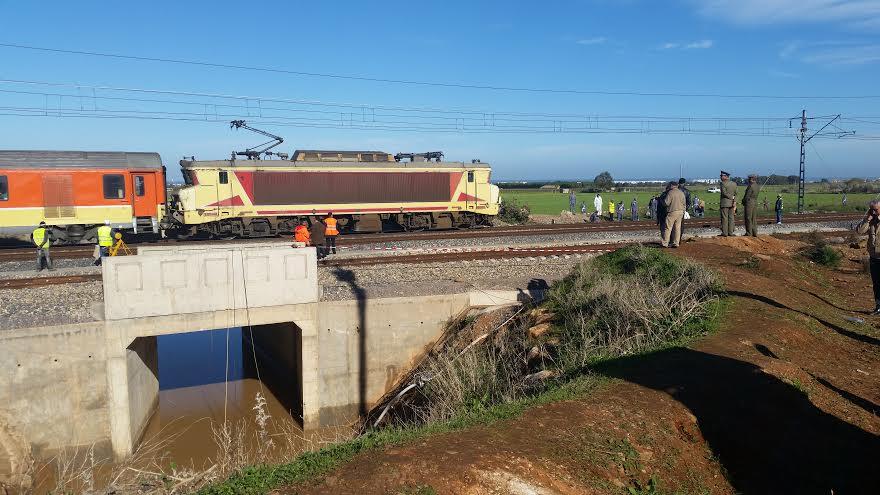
(224, 177)
(114, 186)
(470, 176)
(138, 185)
(4, 188)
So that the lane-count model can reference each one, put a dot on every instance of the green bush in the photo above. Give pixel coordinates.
(630, 301)
(511, 212)
(820, 252)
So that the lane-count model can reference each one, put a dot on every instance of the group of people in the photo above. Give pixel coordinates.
(42, 237)
(616, 211)
(322, 235)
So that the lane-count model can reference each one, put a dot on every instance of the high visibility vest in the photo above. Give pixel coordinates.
(105, 236)
(41, 234)
(301, 234)
(330, 228)
(610, 207)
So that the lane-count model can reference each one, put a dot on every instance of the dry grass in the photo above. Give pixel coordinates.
(629, 301)
(150, 470)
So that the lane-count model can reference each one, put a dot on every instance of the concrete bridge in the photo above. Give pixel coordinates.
(96, 383)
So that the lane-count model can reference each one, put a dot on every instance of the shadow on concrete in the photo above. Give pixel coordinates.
(867, 339)
(767, 435)
(349, 277)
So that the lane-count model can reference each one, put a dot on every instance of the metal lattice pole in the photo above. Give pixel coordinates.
(802, 176)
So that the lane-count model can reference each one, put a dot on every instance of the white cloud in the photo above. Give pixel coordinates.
(700, 45)
(592, 41)
(693, 45)
(832, 53)
(843, 55)
(863, 14)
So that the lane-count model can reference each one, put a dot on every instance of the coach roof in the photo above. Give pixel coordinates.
(79, 159)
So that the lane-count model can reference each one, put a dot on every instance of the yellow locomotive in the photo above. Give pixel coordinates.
(368, 191)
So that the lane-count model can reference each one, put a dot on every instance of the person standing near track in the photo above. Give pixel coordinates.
(674, 203)
(597, 204)
(105, 241)
(779, 209)
(42, 238)
(750, 204)
(330, 233)
(619, 211)
(610, 210)
(869, 226)
(634, 210)
(572, 201)
(727, 204)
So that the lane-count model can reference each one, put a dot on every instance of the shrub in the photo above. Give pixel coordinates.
(511, 212)
(629, 301)
(820, 252)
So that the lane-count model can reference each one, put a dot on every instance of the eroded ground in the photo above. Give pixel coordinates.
(782, 399)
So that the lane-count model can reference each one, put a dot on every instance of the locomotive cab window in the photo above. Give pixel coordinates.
(4, 188)
(114, 186)
(470, 176)
(224, 177)
(139, 185)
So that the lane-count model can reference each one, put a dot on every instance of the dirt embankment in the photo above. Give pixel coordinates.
(784, 398)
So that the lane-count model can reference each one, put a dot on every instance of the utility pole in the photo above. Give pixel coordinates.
(802, 176)
(802, 137)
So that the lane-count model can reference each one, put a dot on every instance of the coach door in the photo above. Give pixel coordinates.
(470, 190)
(144, 199)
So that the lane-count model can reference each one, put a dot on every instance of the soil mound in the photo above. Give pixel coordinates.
(758, 245)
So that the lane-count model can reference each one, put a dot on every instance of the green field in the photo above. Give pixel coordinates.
(551, 203)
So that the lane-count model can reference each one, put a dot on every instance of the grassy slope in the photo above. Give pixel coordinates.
(549, 203)
(576, 383)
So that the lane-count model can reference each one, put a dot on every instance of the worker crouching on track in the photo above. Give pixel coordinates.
(330, 233)
(42, 238)
(301, 233)
(105, 241)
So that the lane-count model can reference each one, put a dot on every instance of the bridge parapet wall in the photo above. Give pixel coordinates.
(200, 280)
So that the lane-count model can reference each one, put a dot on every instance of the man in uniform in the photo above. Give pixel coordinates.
(105, 241)
(674, 204)
(869, 225)
(728, 204)
(330, 233)
(42, 238)
(779, 209)
(750, 203)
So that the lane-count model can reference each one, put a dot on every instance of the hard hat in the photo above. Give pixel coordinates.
(106, 222)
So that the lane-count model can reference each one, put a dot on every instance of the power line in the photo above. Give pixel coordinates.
(487, 87)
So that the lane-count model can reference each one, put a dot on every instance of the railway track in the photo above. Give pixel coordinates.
(473, 255)
(21, 283)
(85, 251)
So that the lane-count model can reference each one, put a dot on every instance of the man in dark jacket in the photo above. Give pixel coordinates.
(317, 233)
(869, 225)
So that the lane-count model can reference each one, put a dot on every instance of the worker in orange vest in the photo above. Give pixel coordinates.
(301, 233)
(330, 233)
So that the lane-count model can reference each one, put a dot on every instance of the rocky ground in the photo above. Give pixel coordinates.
(783, 398)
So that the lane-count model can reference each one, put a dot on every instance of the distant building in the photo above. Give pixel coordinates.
(565, 190)
(550, 187)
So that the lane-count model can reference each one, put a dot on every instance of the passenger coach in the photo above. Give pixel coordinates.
(77, 191)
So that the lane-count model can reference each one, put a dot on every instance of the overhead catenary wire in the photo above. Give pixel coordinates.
(438, 84)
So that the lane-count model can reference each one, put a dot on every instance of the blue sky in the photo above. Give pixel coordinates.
(769, 47)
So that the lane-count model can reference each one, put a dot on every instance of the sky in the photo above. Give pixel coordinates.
(568, 60)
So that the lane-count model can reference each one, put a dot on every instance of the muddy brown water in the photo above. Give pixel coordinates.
(206, 378)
